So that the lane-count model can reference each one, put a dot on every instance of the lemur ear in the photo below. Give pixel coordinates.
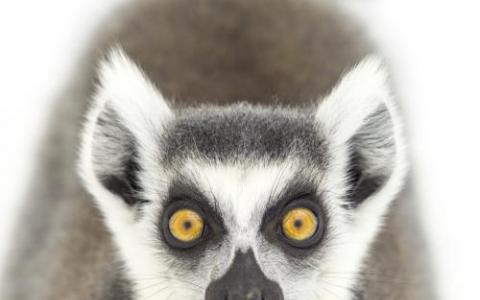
(126, 117)
(360, 115)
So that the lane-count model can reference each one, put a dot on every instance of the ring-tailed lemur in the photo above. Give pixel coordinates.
(234, 149)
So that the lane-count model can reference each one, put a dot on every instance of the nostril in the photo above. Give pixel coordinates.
(244, 280)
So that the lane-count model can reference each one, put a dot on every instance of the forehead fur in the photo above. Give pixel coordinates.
(243, 131)
(242, 192)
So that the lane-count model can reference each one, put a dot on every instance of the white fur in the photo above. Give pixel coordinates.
(243, 193)
(133, 96)
(362, 91)
(358, 94)
(144, 112)
(137, 103)
(342, 113)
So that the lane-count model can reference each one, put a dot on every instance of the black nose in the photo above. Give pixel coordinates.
(244, 281)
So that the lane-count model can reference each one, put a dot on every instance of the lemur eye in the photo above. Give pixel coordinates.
(299, 224)
(186, 225)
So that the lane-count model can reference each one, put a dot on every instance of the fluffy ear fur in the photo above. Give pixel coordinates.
(126, 117)
(360, 115)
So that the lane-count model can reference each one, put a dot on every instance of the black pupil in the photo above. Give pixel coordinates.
(298, 224)
(187, 225)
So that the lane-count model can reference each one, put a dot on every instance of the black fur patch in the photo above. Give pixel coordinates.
(111, 137)
(127, 184)
(369, 171)
(361, 186)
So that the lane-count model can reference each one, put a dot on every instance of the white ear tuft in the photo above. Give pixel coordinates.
(360, 116)
(359, 94)
(132, 95)
(120, 137)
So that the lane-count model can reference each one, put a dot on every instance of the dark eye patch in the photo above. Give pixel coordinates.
(301, 192)
(310, 206)
(183, 194)
(169, 237)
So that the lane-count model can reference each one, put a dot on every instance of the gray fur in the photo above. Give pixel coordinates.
(242, 132)
(272, 52)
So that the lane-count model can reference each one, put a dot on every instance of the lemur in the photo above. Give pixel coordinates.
(223, 149)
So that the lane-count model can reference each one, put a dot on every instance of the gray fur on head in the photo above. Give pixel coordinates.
(241, 161)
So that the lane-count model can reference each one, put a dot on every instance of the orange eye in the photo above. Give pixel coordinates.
(186, 225)
(299, 224)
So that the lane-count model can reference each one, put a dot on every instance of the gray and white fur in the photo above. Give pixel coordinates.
(240, 108)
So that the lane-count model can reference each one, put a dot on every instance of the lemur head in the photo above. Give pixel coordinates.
(242, 201)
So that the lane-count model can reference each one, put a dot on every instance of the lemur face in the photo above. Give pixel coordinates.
(242, 202)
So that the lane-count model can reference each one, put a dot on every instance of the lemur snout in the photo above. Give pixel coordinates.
(244, 281)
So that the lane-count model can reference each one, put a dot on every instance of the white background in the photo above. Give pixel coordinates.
(434, 48)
